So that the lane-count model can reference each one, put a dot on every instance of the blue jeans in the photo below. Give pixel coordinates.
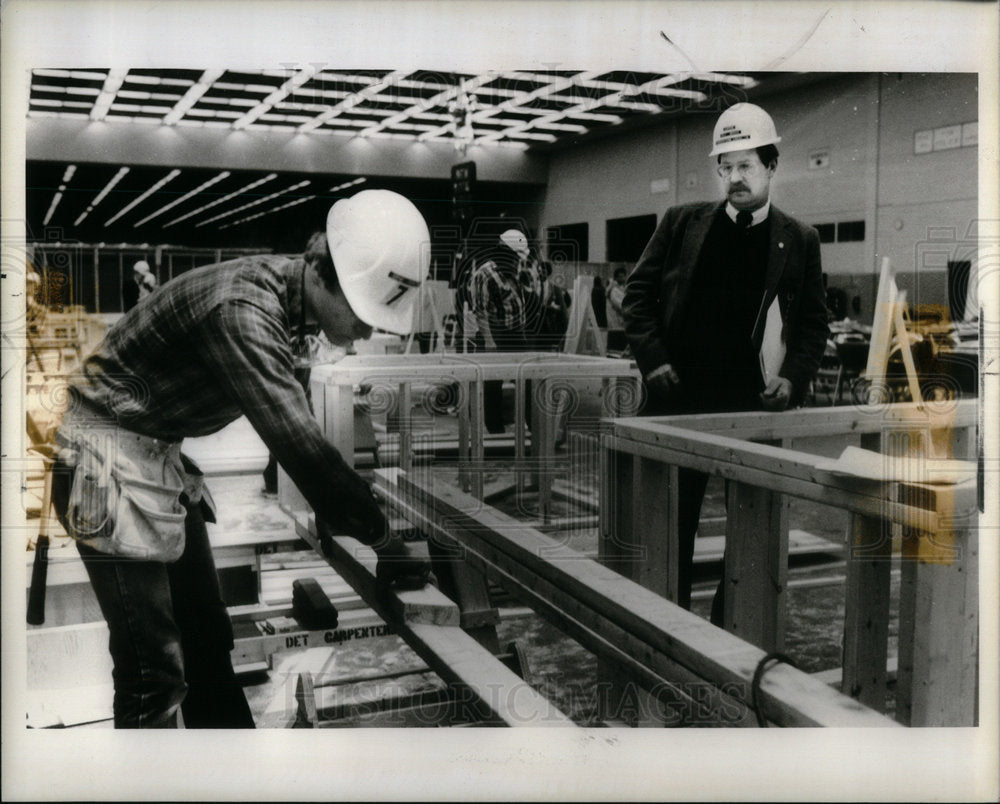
(170, 631)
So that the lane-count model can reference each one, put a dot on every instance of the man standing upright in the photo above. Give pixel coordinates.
(495, 298)
(696, 303)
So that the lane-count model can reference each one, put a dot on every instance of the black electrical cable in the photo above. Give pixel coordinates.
(758, 675)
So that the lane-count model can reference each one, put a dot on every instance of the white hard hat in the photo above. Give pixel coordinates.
(516, 241)
(741, 127)
(141, 267)
(381, 251)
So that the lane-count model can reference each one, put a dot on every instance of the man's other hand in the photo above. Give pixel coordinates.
(663, 381)
(777, 394)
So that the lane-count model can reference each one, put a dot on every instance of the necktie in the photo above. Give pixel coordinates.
(743, 219)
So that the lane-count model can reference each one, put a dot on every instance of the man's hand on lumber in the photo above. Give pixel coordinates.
(399, 568)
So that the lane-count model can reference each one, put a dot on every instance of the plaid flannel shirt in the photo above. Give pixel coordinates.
(498, 296)
(216, 343)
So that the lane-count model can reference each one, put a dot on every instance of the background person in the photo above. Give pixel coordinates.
(706, 278)
(555, 302)
(143, 283)
(599, 301)
(616, 321)
(495, 299)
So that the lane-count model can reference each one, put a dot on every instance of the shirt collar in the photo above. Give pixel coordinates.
(759, 215)
(297, 316)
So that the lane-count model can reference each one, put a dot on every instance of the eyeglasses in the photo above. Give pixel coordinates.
(745, 169)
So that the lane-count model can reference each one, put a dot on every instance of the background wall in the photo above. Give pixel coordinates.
(847, 154)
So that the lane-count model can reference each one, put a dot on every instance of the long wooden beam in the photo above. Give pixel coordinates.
(806, 422)
(788, 472)
(428, 622)
(617, 607)
(679, 695)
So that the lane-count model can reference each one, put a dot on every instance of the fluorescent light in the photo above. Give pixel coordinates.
(294, 187)
(168, 178)
(83, 74)
(52, 207)
(61, 104)
(131, 94)
(353, 100)
(293, 83)
(100, 196)
(112, 83)
(192, 96)
(218, 201)
(68, 174)
(268, 211)
(347, 184)
(205, 185)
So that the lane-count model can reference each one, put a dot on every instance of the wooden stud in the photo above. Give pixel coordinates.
(866, 618)
(756, 566)
(404, 414)
(339, 418)
(477, 435)
(939, 636)
(617, 551)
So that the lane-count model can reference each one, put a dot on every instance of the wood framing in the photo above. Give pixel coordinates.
(650, 638)
(392, 379)
(938, 520)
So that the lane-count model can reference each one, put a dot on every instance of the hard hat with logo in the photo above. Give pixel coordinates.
(515, 241)
(741, 127)
(381, 251)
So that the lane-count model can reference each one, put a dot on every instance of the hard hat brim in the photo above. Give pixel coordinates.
(749, 145)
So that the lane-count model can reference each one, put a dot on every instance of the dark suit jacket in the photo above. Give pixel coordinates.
(659, 284)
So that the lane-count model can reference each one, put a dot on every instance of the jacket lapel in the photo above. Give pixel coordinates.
(694, 239)
(778, 252)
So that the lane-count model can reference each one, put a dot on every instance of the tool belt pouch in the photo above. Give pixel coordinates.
(125, 497)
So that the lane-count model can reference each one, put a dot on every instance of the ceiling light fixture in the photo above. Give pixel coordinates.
(185, 197)
(351, 101)
(100, 196)
(294, 187)
(347, 184)
(173, 174)
(276, 96)
(192, 96)
(112, 83)
(301, 200)
(252, 185)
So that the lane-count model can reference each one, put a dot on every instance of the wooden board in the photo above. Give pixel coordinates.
(783, 471)
(428, 622)
(956, 415)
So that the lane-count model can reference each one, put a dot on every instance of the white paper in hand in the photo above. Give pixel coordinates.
(772, 347)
